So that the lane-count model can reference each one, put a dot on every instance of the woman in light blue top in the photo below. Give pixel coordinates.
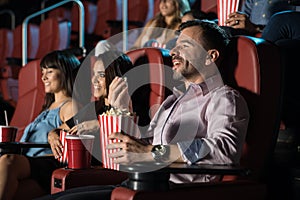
(58, 74)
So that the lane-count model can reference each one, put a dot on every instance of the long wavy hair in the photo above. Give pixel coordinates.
(68, 65)
(160, 22)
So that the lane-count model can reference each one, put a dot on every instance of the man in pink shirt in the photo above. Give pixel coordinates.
(206, 122)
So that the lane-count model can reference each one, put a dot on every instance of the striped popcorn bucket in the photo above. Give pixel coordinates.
(225, 7)
(64, 158)
(110, 124)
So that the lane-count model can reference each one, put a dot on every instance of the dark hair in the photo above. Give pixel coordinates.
(197, 14)
(68, 65)
(212, 35)
(115, 63)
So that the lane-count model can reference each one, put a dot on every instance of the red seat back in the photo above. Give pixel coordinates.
(106, 10)
(31, 96)
(209, 6)
(90, 17)
(53, 35)
(256, 67)
(148, 79)
(60, 13)
(32, 42)
(6, 44)
(137, 10)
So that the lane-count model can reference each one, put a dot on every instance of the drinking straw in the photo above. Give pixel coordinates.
(5, 114)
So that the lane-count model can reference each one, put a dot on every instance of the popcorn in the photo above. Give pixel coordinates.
(117, 111)
(115, 120)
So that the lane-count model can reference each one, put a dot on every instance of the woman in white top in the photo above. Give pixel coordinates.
(161, 28)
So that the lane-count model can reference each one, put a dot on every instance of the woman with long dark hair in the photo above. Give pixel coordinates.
(59, 69)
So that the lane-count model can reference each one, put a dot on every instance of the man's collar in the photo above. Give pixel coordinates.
(206, 86)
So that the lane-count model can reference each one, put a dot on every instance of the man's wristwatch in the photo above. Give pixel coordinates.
(160, 153)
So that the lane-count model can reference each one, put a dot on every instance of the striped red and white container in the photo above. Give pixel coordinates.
(64, 158)
(110, 124)
(225, 7)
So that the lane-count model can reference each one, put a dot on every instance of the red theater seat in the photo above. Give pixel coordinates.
(90, 17)
(32, 42)
(247, 68)
(106, 10)
(10, 72)
(137, 12)
(209, 6)
(137, 15)
(60, 13)
(156, 62)
(31, 96)
(6, 43)
(53, 35)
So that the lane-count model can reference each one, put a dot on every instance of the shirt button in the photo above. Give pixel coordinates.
(270, 2)
(255, 3)
(263, 15)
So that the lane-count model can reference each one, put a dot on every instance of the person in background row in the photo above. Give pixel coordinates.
(159, 29)
(255, 15)
(282, 27)
(59, 69)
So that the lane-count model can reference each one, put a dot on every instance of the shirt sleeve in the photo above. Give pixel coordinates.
(193, 150)
(227, 120)
(247, 7)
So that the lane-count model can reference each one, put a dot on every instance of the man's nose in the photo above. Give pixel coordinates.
(173, 51)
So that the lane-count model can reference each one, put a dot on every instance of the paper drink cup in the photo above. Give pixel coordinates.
(225, 7)
(79, 150)
(8, 133)
(110, 124)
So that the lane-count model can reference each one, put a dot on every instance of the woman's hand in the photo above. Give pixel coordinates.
(239, 20)
(129, 150)
(118, 95)
(55, 143)
(84, 127)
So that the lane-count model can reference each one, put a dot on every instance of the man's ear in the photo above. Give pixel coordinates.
(212, 56)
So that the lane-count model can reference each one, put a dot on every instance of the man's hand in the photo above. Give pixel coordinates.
(129, 150)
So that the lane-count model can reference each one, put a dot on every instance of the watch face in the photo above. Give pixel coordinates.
(159, 152)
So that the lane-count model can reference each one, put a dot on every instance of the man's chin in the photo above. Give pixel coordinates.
(177, 76)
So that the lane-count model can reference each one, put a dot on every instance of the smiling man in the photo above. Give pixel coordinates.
(206, 122)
